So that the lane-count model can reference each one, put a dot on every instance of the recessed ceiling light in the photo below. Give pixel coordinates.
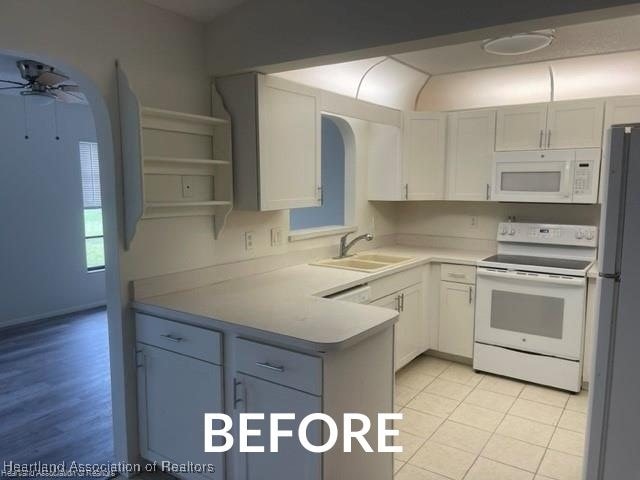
(519, 44)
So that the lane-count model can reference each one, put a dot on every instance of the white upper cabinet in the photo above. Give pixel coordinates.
(423, 155)
(575, 124)
(521, 127)
(470, 147)
(276, 142)
(555, 125)
(384, 159)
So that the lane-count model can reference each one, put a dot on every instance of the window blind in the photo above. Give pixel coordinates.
(90, 172)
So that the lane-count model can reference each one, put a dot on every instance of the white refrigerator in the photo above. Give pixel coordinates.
(613, 448)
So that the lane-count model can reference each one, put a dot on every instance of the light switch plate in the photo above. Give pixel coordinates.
(276, 236)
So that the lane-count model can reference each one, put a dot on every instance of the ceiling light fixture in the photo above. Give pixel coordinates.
(519, 44)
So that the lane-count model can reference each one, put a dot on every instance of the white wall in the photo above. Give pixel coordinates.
(453, 219)
(42, 240)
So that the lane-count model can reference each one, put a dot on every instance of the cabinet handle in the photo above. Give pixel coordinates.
(320, 194)
(406, 191)
(398, 303)
(456, 275)
(236, 399)
(268, 366)
(402, 302)
(470, 295)
(549, 139)
(541, 134)
(488, 192)
(172, 338)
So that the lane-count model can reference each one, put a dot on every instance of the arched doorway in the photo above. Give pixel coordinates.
(113, 291)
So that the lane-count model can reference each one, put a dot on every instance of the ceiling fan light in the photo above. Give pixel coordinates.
(519, 44)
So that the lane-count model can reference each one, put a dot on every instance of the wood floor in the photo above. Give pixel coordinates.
(55, 400)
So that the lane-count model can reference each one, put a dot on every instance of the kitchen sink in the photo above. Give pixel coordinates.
(389, 259)
(364, 262)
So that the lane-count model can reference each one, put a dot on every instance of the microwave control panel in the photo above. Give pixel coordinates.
(586, 175)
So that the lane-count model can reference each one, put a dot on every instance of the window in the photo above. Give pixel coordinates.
(92, 202)
(332, 210)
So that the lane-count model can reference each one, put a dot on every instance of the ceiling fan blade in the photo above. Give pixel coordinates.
(51, 78)
(65, 97)
(14, 83)
(68, 88)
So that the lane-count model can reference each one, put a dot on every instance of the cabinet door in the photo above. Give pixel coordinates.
(384, 162)
(400, 348)
(521, 128)
(174, 393)
(575, 124)
(289, 126)
(424, 155)
(457, 309)
(617, 111)
(411, 329)
(291, 460)
(470, 146)
(413, 325)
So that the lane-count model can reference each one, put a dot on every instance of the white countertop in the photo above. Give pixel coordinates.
(287, 304)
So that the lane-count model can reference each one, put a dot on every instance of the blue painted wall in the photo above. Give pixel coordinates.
(332, 210)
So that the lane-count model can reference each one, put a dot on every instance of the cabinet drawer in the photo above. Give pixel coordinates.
(179, 337)
(394, 283)
(277, 365)
(458, 273)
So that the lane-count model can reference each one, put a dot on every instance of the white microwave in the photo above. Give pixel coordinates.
(547, 176)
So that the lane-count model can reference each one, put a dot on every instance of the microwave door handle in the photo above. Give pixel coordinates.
(568, 182)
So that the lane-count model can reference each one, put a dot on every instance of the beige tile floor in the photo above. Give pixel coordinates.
(461, 425)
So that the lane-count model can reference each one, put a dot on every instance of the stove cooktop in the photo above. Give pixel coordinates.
(539, 262)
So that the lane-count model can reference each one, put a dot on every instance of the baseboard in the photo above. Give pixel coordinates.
(55, 313)
(449, 356)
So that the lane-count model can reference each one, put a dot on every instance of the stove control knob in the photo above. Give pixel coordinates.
(589, 235)
(512, 231)
(579, 234)
(503, 230)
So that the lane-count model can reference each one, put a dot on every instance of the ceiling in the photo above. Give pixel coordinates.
(198, 10)
(581, 58)
(594, 38)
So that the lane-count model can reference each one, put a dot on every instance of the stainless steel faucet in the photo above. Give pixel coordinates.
(345, 247)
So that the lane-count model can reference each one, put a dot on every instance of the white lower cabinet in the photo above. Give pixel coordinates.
(174, 392)
(411, 331)
(292, 460)
(457, 309)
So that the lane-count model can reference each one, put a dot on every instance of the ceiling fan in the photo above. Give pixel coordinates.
(44, 81)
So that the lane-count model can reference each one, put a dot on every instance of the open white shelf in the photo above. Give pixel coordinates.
(183, 117)
(175, 164)
(198, 161)
(212, 203)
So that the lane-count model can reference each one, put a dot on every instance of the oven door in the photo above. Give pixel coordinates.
(533, 176)
(533, 312)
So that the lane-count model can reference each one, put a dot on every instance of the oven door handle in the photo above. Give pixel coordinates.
(535, 277)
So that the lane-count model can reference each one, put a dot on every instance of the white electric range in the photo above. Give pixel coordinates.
(531, 303)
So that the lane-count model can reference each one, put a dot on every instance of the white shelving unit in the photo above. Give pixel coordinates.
(175, 164)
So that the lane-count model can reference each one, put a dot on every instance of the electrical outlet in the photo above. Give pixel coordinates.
(276, 236)
(187, 187)
(248, 241)
(474, 221)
